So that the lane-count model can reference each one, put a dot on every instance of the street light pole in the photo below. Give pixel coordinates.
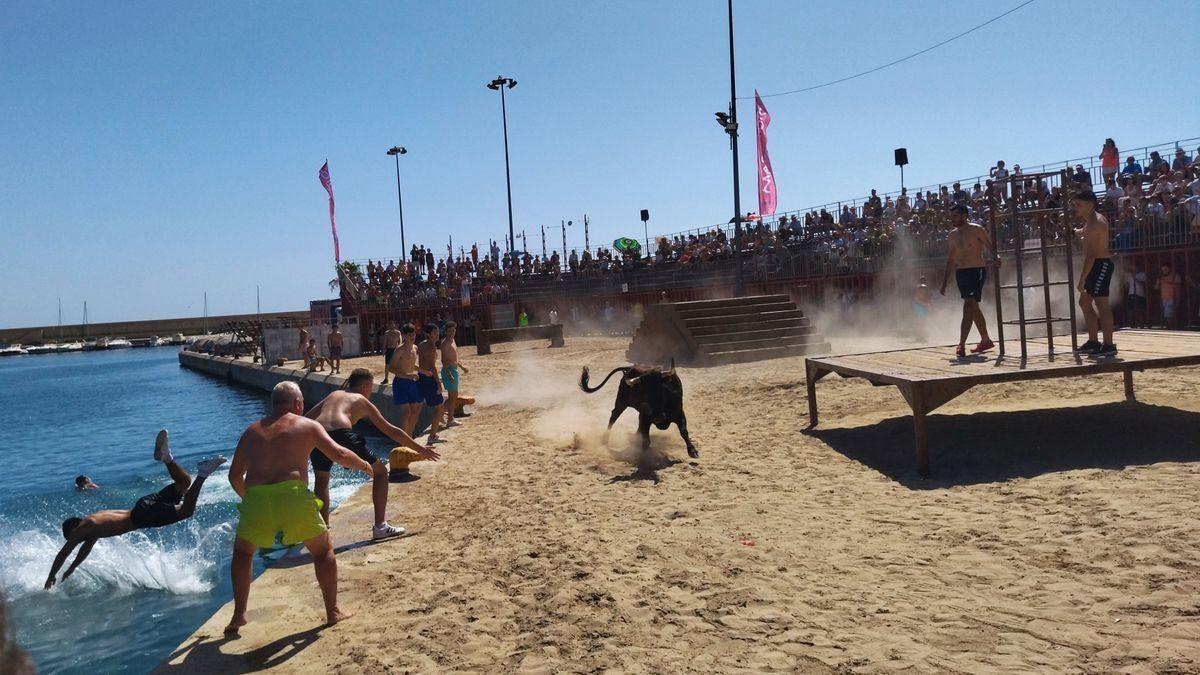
(500, 83)
(739, 288)
(396, 151)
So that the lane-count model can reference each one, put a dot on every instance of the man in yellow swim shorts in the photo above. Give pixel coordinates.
(270, 472)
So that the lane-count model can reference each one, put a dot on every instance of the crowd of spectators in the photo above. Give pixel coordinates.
(1158, 203)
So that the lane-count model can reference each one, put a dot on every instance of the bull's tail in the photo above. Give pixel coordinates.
(583, 379)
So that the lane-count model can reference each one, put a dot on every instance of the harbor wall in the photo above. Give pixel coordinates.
(194, 325)
(314, 386)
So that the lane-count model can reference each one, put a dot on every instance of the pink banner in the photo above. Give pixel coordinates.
(767, 197)
(328, 184)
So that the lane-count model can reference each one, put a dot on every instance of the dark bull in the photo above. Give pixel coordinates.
(656, 394)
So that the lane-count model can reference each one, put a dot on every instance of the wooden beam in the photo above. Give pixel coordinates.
(813, 373)
(1129, 386)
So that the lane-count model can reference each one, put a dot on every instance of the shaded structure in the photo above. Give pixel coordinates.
(930, 377)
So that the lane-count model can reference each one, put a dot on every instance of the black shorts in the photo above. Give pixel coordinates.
(1098, 279)
(387, 358)
(427, 386)
(348, 438)
(158, 509)
(970, 282)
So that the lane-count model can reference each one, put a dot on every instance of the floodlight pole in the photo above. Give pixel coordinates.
(739, 287)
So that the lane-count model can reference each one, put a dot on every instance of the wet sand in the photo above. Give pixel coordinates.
(1057, 534)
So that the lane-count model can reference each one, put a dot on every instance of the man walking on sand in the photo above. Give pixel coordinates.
(270, 473)
(967, 244)
(391, 340)
(1095, 276)
(428, 385)
(450, 368)
(336, 339)
(169, 505)
(338, 413)
(403, 366)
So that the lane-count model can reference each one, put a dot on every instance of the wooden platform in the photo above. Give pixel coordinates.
(929, 377)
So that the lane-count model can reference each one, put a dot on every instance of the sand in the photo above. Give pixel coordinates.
(1058, 534)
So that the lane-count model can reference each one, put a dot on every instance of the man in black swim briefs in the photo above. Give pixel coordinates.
(968, 242)
(338, 413)
(169, 505)
(1095, 276)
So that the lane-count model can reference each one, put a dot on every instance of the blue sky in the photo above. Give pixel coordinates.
(157, 150)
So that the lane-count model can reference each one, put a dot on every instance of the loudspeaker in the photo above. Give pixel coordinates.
(901, 156)
(645, 215)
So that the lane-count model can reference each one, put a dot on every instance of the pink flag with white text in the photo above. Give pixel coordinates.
(328, 184)
(767, 196)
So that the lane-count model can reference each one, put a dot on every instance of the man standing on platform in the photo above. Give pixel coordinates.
(1095, 276)
(966, 259)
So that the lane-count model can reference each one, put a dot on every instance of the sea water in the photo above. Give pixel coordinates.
(137, 596)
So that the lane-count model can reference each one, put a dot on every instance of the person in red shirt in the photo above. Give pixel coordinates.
(1110, 158)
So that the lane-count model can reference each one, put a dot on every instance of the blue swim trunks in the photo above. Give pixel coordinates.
(427, 386)
(450, 378)
(404, 391)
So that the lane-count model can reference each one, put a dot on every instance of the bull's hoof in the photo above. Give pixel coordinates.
(693, 453)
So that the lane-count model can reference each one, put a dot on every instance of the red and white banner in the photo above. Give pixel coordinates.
(767, 196)
(324, 176)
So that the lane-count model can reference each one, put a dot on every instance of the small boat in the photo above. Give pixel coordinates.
(41, 349)
(12, 350)
(140, 342)
(119, 343)
(159, 342)
(68, 347)
(96, 345)
(177, 339)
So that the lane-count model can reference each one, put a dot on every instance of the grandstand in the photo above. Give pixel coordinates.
(837, 249)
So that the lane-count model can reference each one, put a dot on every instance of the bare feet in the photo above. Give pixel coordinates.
(234, 624)
(337, 615)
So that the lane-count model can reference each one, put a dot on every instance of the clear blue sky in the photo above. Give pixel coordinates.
(155, 150)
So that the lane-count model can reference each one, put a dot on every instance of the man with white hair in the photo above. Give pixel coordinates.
(270, 473)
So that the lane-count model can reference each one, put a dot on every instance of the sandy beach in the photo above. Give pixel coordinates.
(1057, 534)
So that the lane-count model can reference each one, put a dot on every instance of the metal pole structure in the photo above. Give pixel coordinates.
(500, 83)
(564, 248)
(739, 288)
(507, 172)
(586, 244)
(396, 151)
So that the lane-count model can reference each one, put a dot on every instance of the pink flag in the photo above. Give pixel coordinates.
(324, 176)
(767, 197)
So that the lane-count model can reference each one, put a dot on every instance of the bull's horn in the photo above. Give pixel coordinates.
(632, 380)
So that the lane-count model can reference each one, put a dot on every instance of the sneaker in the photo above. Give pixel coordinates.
(162, 447)
(385, 531)
(961, 352)
(1088, 347)
(1106, 350)
(206, 466)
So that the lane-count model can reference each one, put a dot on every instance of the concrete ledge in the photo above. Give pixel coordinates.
(314, 386)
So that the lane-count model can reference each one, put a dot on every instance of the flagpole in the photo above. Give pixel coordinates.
(587, 245)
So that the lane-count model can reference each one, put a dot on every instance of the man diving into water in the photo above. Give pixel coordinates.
(154, 510)
(338, 413)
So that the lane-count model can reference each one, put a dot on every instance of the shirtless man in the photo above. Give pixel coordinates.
(154, 510)
(312, 358)
(428, 384)
(270, 473)
(336, 340)
(391, 340)
(967, 244)
(1095, 276)
(403, 366)
(338, 413)
(450, 368)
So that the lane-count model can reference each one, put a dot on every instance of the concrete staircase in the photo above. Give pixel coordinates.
(715, 332)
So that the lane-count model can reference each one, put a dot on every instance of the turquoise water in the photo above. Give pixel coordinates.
(137, 597)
